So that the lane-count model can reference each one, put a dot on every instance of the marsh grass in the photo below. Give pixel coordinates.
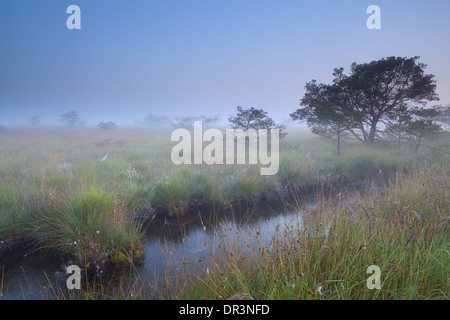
(90, 225)
(323, 254)
(55, 189)
(403, 230)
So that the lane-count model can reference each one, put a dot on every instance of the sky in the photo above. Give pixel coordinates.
(199, 57)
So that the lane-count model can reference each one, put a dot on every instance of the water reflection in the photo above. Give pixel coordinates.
(169, 247)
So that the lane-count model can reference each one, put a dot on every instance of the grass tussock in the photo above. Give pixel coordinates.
(90, 225)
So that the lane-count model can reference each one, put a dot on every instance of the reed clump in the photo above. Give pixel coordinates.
(91, 226)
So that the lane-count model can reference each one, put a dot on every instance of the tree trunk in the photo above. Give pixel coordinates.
(372, 132)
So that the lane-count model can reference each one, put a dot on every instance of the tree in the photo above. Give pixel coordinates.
(439, 114)
(325, 112)
(34, 120)
(417, 124)
(374, 91)
(70, 118)
(396, 125)
(422, 129)
(153, 120)
(255, 119)
(107, 125)
(444, 115)
(188, 121)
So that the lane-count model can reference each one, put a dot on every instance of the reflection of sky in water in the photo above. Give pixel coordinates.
(27, 277)
(200, 242)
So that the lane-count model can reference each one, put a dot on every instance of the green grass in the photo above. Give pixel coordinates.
(404, 231)
(55, 190)
(90, 225)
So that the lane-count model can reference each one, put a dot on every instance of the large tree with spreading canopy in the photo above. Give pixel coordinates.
(365, 100)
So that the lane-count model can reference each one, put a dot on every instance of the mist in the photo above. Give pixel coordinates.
(202, 58)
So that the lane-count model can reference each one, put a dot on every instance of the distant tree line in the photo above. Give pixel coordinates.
(378, 102)
(107, 125)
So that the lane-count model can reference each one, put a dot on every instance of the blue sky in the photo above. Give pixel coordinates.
(193, 57)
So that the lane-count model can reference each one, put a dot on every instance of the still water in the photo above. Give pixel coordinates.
(168, 245)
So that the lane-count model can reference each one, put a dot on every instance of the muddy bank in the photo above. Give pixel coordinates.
(9, 247)
(12, 249)
(288, 196)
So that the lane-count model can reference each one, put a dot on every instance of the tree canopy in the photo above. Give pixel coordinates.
(325, 112)
(107, 125)
(70, 118)
(153, 120)
(253, 118)
(187, 122)
(368, 99)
